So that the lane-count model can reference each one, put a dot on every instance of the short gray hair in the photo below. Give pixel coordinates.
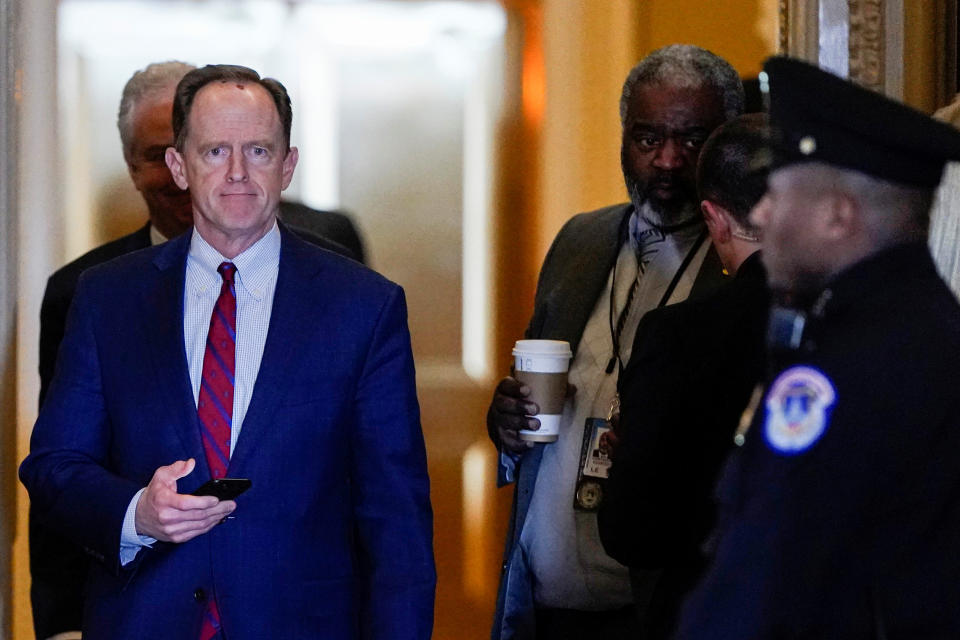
(894, 212)
(148, 81)
(686, 65)
(898, 212)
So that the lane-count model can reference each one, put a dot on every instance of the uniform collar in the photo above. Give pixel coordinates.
(874, 277)
(864, 287)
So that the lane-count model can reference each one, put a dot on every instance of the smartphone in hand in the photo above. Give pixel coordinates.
(223, 488)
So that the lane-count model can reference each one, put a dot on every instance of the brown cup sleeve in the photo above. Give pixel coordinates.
(548, 390)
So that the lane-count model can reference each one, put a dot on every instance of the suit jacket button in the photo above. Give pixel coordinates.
(200, 595)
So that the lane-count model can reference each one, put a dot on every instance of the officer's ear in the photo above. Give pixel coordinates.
(842, 216)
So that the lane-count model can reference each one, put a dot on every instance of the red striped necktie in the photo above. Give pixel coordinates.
(215, 401)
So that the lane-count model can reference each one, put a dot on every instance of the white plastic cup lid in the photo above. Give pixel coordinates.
(548, 348)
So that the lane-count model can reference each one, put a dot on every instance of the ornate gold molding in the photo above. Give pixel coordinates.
(784, 17)
(867, 43)
(798, 28)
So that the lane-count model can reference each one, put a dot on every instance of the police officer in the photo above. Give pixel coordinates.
(840, 512)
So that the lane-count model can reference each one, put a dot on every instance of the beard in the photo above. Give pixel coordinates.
(667, 212)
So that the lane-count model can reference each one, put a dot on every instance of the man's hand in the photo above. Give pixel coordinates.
(509, 412)
(166, 515)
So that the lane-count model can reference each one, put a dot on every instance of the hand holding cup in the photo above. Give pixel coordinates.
(509, 412)
(527, 407)
(542, 366)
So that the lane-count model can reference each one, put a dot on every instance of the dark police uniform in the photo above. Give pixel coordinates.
(840, 514)
(845, 522)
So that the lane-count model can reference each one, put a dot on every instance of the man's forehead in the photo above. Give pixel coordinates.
(226, 90)
(809, 176)
(158, 104)
(218, 100)
(223, 113)
(151, 122)
(657, 101)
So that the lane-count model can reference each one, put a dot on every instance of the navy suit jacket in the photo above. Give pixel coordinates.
(333, 540)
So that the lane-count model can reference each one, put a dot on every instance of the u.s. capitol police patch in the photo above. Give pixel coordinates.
(798, 409)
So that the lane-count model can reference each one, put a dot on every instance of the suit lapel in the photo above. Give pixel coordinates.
(140, 239)
(285, 337)
(587, 273)
(163, 316)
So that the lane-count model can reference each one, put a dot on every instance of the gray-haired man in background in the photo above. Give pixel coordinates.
(58, 567)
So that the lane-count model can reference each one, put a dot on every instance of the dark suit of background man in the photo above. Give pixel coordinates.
(305, 386)
(605, 270)
(693, 368)
(840, 514)
(58, 567)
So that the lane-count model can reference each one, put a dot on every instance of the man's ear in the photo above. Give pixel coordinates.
(175, 164)
(289, 164)
(718, 221)
(839, 216)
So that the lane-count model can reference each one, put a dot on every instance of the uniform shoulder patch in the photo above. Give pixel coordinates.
(798, 407)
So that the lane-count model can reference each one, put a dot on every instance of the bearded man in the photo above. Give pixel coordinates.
(605, 270)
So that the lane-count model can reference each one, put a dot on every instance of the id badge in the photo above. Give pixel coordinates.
(594, 466)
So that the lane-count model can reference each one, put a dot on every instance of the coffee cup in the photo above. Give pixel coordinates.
(542, 366)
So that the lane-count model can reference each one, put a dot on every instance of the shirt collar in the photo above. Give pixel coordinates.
(255, 266)
(156, 237)
(645, 228)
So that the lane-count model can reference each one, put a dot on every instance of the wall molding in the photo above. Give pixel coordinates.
(799, 29)
(867, 43)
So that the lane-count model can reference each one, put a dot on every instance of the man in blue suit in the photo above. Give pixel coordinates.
(238, 350)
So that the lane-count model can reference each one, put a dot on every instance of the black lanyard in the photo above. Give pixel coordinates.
(617, 330)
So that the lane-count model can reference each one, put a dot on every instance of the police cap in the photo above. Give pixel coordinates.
(817, 116)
